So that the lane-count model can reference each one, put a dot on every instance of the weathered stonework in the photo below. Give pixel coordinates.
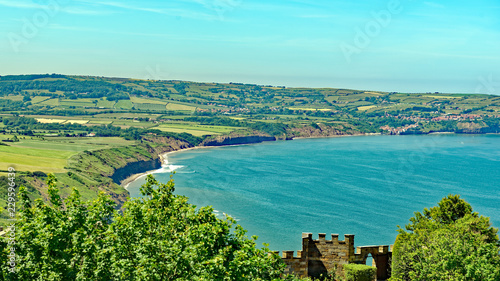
(321, 256)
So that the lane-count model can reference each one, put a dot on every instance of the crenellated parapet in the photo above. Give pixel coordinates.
(319, 256)
(295, 264)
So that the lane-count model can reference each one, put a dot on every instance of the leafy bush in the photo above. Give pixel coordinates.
(39, 174)
(157, 237)
(359, 272)
(447, 242)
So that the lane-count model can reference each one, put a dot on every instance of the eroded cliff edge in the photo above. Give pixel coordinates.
(236, 140)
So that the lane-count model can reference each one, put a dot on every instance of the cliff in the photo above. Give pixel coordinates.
(321, 130)
(235, 140)
(104, 169)
(133, 168)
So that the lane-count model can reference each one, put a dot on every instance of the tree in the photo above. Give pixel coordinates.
(157, 237)
(447, 242)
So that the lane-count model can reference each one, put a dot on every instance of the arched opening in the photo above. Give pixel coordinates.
(369, 260)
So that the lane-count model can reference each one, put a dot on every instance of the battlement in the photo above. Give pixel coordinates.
(348, 238)
(289, 255)
(318, 256)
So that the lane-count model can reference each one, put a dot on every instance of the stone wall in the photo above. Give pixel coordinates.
(322, 256)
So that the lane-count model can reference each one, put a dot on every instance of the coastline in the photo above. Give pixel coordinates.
(163, 159)
(337, 136)
(163, 156)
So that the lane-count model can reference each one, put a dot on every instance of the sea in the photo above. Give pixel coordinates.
(361, 185)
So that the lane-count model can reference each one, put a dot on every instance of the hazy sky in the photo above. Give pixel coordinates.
(391, 45)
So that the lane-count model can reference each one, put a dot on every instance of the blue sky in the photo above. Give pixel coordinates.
(390, 45)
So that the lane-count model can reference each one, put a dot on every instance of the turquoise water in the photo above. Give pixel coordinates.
(352, 185)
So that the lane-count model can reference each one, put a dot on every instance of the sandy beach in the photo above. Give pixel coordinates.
(163, 158)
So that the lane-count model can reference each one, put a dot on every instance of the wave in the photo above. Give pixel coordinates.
(166, 167)
(222, 215)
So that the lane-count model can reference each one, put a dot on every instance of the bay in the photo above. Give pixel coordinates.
(364, 185)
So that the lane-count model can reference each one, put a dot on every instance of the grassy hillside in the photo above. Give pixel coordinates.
(85, 163)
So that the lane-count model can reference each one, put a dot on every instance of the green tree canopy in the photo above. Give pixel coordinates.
(447, 242)
(157, 237)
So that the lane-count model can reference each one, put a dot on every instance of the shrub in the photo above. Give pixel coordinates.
(447, 242)
(39, 174)
(157, 237)
(359, 272)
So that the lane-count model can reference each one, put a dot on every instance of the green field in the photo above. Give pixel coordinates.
(196, 133)
(22, 162)
(143, 100)
(78, 103)
(175, 106)
(150, 106)
(50, 120)
(197, 130)
(39, 99)
(100, 122)
(364, 108)
(50, 102)
(51, 154)
(106, 103)
(124, 104)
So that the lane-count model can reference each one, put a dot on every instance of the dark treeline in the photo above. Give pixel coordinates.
(71, 88)
(30, 77)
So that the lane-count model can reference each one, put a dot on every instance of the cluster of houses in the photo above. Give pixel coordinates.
(398, 130)
(446, 117)
(457, 117)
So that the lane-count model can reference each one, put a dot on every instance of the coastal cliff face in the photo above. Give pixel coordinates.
(320, 130)
(235, 140)
(104, 170)
(133, 168)
(476, 128)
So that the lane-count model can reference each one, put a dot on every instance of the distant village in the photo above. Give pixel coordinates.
(449, 117)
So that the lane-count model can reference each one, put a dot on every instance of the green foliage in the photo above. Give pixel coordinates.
(447, 242)
(4, 181)
(273, 129)
(315, 126)
(359, 272)
(39, 174)
(449, 210)
(157, 237)
(330, 275)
